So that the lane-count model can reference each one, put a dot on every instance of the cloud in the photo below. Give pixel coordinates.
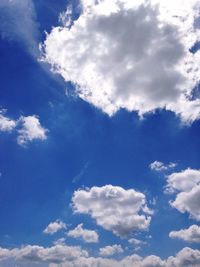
(89, 236)
(186, 257)
(31, 130)
(131, 54)
(186, 185)
(192, 234)
(74, 256)
(160, 166)
(110, 250)
(135, 241)
(114, 208)
(54, 227)
(18, 23)
(28, 128)
(6, 124)
(54, 254)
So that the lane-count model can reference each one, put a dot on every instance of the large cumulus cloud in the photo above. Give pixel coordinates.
(114, 208)
(122, 54)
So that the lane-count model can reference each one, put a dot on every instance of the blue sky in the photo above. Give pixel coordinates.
(99, 134)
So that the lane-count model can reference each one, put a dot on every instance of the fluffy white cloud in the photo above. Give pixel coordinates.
(28, 128)
(89, 236)
(18, 23)
(114, 208)
(186, 184)
(187, 257)
(110, 250)
(131, 54)
(6, 124)
(57, 253)
(160, 166)
(192, 234)
(31, 129)
(70, 256)
(54, 227)
(135, 241)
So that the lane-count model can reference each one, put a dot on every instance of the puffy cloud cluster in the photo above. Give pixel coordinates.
(71, 256)
(6, 124)
(54, 227)
(89, 236)
(54, 254)
(114, 208)
(131, 54)
(110, 250)
(192, 234)
(29, 128)
(160, 166)
(186, 185)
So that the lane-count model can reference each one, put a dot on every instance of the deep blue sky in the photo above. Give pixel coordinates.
(85, 147)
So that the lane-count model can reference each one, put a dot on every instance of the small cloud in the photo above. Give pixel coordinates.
(160, 166)
(136, 242)
(6, 124)
(54, 227)
(89, 236)
(110, 250)
(31, 129)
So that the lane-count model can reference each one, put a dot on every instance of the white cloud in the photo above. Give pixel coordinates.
(131, 54)
(183, 181)
(110, 250)
(160, 166)
(6, 124)
(31, 129)
(18, 23)
(71, 256)
(57, 253)
(187, 257)
(186, 185)
(114, 208)
(192, 234)
(54, 227)
(136, 242)
(89, 236)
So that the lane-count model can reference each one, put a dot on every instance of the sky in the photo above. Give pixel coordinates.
(99, 133)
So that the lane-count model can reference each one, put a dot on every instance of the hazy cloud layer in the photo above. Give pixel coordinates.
(18, 23)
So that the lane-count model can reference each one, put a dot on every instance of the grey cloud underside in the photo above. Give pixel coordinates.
(114, 208)
(129, 58)
(186, 186)
(68, 256)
